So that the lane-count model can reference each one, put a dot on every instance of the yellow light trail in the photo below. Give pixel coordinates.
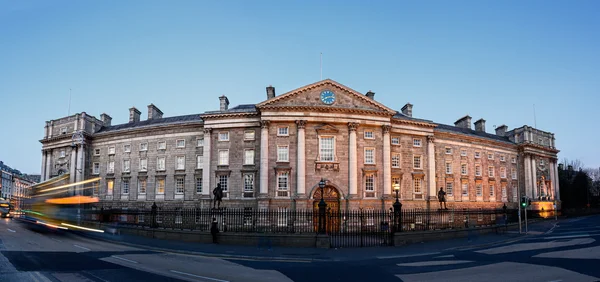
(83, 228)
(71, 184)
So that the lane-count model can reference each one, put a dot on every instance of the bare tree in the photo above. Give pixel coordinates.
(575, 164)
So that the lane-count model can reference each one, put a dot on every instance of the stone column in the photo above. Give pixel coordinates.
(264, 157)
(387, 162)
(552, 181)
(527, 171)
(431, 167)
(301, 177)
(43, 172)
(206, 162)
(556, 185)
(73, 169)
(48, 164)
(352, 158)
(534, 179)
(79, 168)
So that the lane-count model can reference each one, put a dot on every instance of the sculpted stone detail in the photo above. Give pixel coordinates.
(430, 139)
(386, 128)
(301, 124)
(264, 123)
(352, 126)
(207, 130)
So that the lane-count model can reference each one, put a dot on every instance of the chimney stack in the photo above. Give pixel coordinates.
(270, 92)
(370, 95)
(480, 125)
(501, 130)
(134, 114)
(106, 119)
(154, 112)
(224, 103)
(464, 122)
(407, 110)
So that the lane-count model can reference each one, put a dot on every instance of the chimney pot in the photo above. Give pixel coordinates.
(154, 112)
(134, 114)
(480, 125)
(270, 92)
(370, 95)
(463, 122)
(106, 119)
(224, 103)
(407, 110)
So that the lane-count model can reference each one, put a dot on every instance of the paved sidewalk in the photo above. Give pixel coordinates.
(315, 254)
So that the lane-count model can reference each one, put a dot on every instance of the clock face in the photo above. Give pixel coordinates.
(328, 97)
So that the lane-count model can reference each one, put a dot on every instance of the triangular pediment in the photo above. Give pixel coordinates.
(326, 128)
(310, 97)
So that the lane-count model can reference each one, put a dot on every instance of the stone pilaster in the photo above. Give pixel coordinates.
(534, 179)
(556, 185)
(387, 161)
(431, 167)
(264, 157)
(73, 168)
(550, 192)
(352, 158)
(206, 188)
(48, 164)
(527, 171)
(43, 172)
(301, 158)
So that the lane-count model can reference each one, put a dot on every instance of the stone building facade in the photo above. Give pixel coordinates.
(273, 155)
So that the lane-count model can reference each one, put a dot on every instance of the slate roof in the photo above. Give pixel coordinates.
(400, 115)
(244, 108)
(152, 122)
(467, 131)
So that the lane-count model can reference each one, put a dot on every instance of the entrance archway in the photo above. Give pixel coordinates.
(331, 196)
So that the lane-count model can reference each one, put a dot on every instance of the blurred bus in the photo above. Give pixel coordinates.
(6, 208)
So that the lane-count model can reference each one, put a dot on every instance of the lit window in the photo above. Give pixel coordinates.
(179, 185)
(282, 131)
(144, 146)
(395, 140)
(464, 169)
(110, 184)
(369, 156)
(160, 186)
(199, 142)
(111, 150)
(326, 149)
(224, 136)
(125, 186)
(249, 157)
(110, 167)
(249, 135)
(198, 184)
(282, 154)
(162, 145)
(127, 148)
(417, 142)
(248, 182)
(448, 151)
(369, 135)
(491, 171)
(180, 165)
(223, 157)
(142, 185)
(160, 163)
(396, 160)
(180, 143)
(417, 162)
(449, 189)
(96, 169)
(199, 160)
(448, 168)
(126, 165)
(417, 186)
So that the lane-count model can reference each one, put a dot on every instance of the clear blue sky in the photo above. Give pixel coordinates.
(489, 59)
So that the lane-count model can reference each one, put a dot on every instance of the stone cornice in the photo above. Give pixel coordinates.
(63, 137)
(148, 129)
(412, 122)
(534, 146)
(227, 115)
(441, 135)
(295, 108)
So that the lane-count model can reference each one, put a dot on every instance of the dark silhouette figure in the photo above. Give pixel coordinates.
(442, 198)
(214, 229)
(218, 195)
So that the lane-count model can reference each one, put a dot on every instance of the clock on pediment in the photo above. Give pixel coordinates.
(327, 97)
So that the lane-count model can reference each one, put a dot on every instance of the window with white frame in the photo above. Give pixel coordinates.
(248, 182)
(504, 195)
(492, 190)
(95, 187)
(417, 189)
(395, 160)
(283, 131)
(477, 170)
(180, 143)
(370, 185)
(110, 167)
(369, 155)
(478, 190)
(465, 189)
(142, 184)
(326, 148)
(179, 184)
(502, 172)
(143, 164)
(395, 140)
(162, 145)
(448, 151)
(283, 154)
(283, 184)
(490, 156)
(448, 168)
(490, 171)
(127, 148)
(395, 180)
(223, 157)
(160, 186)
(463, 153)
(199, 160)
(63, 130)
(180, 163)
(416, 142)
(513, 160)
(464, 169)
(111, 150)
(513, 172)
(417, 162)
(369, 135)
(224, 136)
(125, 186)
(449, 189)
(200, 142)
(62, 154)
(477, 154)
(126, 165)
(249, 135)
(224, 181)
(198, 185)
(249, 156)
(96, 152)
(96, 168)
(110, 184)
(160, 163)
(542, 163)
(502, 158)
(144, 146)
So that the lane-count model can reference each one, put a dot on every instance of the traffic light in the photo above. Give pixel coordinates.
(528, 202)
(524, 202)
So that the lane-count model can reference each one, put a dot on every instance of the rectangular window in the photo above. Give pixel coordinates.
(417, 162)
(249, 156)
(62, 154)
(448, 151)
(464, 169)
(180, 143)
(110, 184)
(179, 185)
(283, 154)
(369, 155)
(96, 152)
(142, 185)
(395, 140)
(416, 142)
(125, 186)
(199, 160)
(283, 184)
(96, 168)
(283, 131)
(370, 185)
(504, 195)
(248, 182)
(180, 164)
(249, 135)
(369, 135)
(95, 188)
(449, 189)
(463, 153)
(162, 145)
(448, 168)
(477, 155)
(224, 181)
(491, 171)
(513, 172)
(492, 190)
(417, 186)
(143, 164)
(160, 163)
(477, 170)
(223, 157)
(111, 167)
(160, 186)
(111, 150)
(395, 160)
(224, 136)
(126, 165)
(326, 149)
(63, 130)
(513, 160)
(199, 142)
(502, 159)
(127, 148)
(198, 185)
(478, 190)
(502, 172)
(465, 189)
(395, 180)
(490, 156)
(144, 146)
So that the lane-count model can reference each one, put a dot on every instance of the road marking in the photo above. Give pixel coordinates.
(56, 240)
(95, 276)
(447, 256)
(555, 281)
(434, 263)
(124, 259)
(567, 237)
(202, 277)
(82, 247)
(11, 230)
(408, 256)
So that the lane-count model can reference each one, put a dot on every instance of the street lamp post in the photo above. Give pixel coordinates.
(397, 210)
(322, 208)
